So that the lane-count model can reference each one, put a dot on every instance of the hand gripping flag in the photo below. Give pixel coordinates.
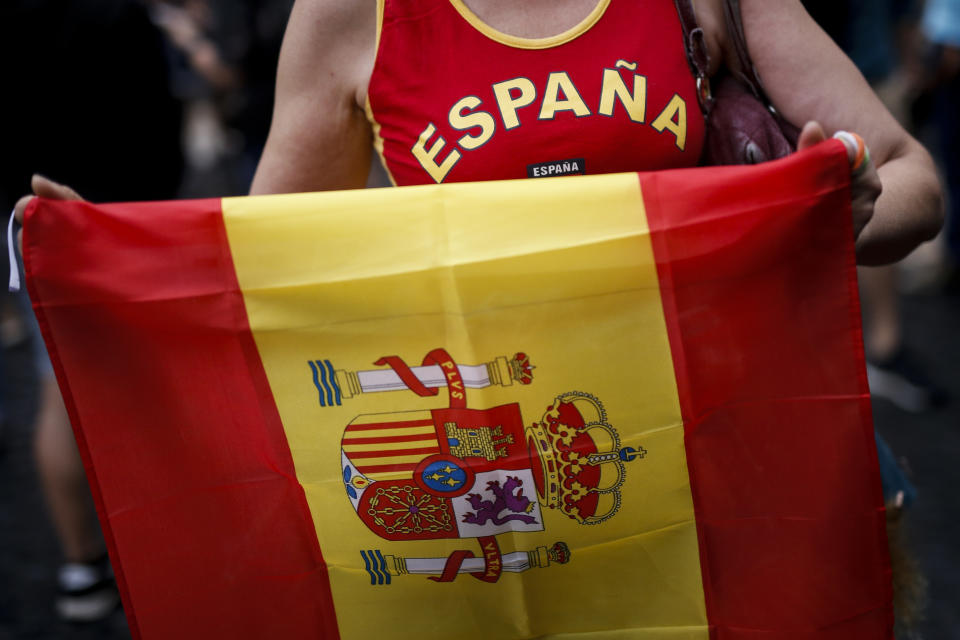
(620, 406)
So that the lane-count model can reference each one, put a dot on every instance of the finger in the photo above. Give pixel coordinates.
(811, 134)
(47, 188)
(864, 180)
(20, 207)
(857, 151)
(18, 211)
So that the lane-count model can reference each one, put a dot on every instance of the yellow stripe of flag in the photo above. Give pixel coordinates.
(559, 269)
(393, 417)
(389, 446)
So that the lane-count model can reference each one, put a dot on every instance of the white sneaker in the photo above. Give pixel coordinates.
(87, 592)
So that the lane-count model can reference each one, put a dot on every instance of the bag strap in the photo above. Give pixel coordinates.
(699, 58)
(748, 73)
(697, 55)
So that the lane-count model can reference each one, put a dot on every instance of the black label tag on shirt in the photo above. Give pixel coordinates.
(556, 168)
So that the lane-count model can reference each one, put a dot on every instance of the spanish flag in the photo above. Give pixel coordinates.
(614, 406)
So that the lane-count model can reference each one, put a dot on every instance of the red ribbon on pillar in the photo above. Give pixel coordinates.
(492, 562)
(440, 357)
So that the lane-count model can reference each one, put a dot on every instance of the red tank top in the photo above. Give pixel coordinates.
(452, 100)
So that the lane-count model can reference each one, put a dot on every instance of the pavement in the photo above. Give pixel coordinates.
(929, 442)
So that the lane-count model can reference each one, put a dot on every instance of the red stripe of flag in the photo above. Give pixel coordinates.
(779, 437)
(172, 530)
(390, 425)
(389, 439)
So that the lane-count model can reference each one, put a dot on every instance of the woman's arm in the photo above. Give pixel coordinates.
(319, 137)
(807, 77)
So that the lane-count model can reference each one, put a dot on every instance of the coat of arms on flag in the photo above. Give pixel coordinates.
(678, 339)
(459, 472)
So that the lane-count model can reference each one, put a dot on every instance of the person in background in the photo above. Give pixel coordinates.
(249, 33)
(93, 108)
(201, 77)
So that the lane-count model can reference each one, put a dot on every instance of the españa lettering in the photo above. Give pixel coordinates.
(558, 168)
(558, 95)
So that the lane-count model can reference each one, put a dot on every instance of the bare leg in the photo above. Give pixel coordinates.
(882, 333)
(891, 370)
(63, 479)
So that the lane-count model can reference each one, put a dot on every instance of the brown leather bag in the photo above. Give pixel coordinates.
(742, 126)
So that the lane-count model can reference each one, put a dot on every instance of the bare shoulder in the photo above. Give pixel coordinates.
(711, 17)
(319, 136)
(332, 43)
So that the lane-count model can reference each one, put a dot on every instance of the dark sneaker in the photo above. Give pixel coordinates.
(86, 592)
(901, 381)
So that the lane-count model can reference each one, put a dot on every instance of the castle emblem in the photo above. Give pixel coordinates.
(459, 472)
(488, 443)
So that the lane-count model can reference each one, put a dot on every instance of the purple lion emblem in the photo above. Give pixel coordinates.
(504, 500)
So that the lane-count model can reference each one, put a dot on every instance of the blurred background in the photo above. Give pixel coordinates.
(161, 99)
